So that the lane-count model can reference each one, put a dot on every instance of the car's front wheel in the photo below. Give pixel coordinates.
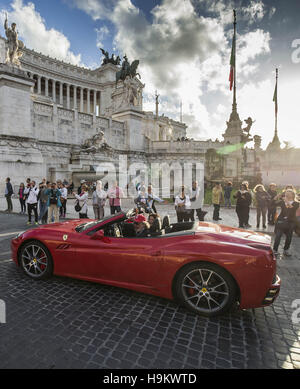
(206, 289)
(36, 260)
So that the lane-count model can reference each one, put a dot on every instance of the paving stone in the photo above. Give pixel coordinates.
(78, 325)
(286, 365)
(295, 357)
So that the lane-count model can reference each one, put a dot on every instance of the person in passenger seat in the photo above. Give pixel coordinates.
(155, 223)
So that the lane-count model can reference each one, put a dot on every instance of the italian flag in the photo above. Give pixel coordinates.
(275, 97)
(232, 62)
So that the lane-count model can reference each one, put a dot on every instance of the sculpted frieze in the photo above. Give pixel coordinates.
(43, 109)
(65, 114)
(102, 122)
(85, 118)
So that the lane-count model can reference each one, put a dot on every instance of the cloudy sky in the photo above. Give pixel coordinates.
(184, 51)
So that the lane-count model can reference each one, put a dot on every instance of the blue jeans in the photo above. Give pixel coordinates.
(227, 202)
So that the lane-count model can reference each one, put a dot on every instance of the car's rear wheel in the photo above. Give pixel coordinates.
(206, 289)
(36, 260)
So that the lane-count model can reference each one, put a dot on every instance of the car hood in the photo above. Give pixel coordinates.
(232, 234)
(65, 226)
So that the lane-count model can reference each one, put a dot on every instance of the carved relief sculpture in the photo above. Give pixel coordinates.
(95, 143)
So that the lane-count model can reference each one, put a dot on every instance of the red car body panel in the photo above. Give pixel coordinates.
(149, 265)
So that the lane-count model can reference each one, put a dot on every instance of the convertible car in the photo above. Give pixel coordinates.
(207, 268)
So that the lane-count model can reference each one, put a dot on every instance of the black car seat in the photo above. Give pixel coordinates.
(155, 229)
(128, 230)
(166, 223)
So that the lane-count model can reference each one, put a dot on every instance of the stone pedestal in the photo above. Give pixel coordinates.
(134, 121)
(20, 158)
(15, 102)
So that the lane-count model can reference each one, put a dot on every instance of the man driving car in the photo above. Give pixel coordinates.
(141, 226)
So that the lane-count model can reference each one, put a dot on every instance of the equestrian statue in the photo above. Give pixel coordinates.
(127, 70)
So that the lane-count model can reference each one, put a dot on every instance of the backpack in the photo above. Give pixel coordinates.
(53, 198)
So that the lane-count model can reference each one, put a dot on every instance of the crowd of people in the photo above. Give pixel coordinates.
(278, 208)
(47, 203)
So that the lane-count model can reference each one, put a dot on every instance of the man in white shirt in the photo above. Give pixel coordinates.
(31, 192)
(196, 202)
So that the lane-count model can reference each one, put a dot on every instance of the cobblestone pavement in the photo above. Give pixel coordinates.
(66, 323)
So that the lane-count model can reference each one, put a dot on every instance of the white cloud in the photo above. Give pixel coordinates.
(102, 33)
(33, 31)
(252, 44)
(255, 11)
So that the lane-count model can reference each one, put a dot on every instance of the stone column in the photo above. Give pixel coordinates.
(95, 102)
(75, 96)
(81, 99)
(39, 87)
(88, 101)
(68, 96)
(100, 103)
(46, 87)
(54, 91)
(61, 93)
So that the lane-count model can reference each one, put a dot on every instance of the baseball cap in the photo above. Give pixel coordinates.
(140, 219)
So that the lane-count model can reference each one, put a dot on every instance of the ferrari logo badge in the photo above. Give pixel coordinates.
(65, 237)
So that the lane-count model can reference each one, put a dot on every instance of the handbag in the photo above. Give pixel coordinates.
(77, 207)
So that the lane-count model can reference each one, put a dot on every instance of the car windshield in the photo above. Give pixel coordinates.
(85, 226)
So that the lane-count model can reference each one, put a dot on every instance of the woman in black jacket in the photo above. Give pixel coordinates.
(243, 201)
(286, 220)
(262, 199)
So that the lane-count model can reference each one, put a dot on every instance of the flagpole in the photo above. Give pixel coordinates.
(181, 111)
(276, 104)
(234, 70)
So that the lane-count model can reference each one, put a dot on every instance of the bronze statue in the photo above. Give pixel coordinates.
(127, 70)
(106, 56)
(112, 59)
(246, 137)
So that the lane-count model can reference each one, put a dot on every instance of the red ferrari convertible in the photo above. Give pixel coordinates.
(206, 267)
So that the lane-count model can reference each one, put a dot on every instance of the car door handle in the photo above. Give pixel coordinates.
(157, 253)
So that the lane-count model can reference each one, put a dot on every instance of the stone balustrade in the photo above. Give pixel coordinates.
(191, 146)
